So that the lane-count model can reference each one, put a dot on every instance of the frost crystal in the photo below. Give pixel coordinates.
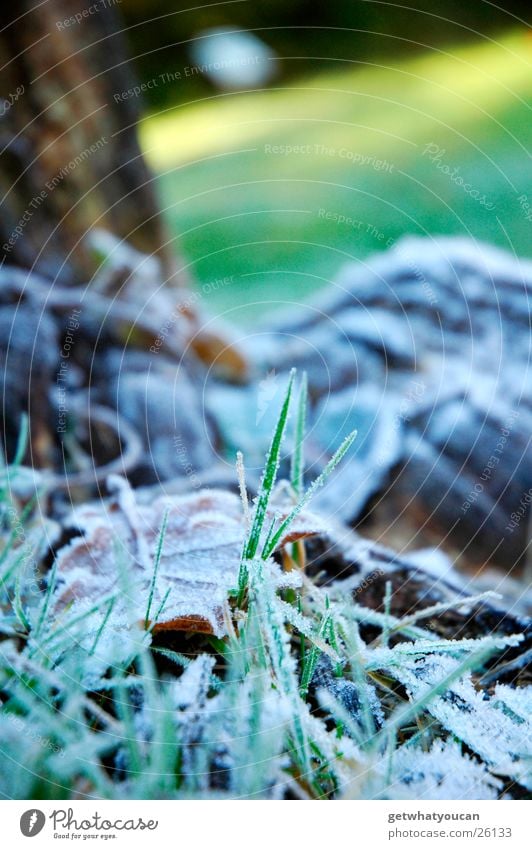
(442, 773)
(115, 562)
(503, 740)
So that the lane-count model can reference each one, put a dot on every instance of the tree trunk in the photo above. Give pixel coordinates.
(69, 156)
(70, 164)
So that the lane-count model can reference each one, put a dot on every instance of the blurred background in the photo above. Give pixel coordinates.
(379, 153)
(289, 137)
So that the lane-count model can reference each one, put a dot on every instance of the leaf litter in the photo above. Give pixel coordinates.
(198, 564)
(297, 691)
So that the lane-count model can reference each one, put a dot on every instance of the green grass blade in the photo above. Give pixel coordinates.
(50, 588)
(160, 544)
(18, 606)
(22, 442)
(320, 480)
(270, 475)
(241, 474)
(61, 632)
(18, 523)
(176, 657)
(311, 659)
(102, 627)
(159, 610)
(8, 472)
(407, 712)
(385, 638)
(297, 466)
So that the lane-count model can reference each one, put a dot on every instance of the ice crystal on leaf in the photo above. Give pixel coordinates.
(441, 773)
(286, 685)
(483, 722)
(170, 564)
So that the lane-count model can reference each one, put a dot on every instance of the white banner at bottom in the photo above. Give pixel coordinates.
(219, 825)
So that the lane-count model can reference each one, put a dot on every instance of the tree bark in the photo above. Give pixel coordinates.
(69, 155)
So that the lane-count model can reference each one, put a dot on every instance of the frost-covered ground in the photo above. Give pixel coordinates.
(195, 647)
(173, 626)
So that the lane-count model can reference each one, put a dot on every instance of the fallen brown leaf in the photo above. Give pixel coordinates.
(199, 561)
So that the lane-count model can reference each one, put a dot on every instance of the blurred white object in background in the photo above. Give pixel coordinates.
(233, 60)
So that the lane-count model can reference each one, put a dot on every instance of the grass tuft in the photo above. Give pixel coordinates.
(299, 699)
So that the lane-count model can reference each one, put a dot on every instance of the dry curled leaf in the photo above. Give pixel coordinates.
(198, 564)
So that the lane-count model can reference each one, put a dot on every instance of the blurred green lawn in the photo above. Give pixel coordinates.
(239, 209)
